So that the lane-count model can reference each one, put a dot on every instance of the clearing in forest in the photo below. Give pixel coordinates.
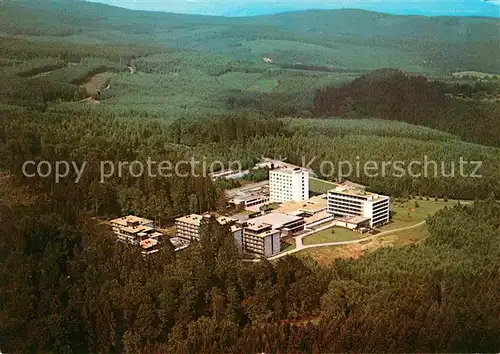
(97, 82)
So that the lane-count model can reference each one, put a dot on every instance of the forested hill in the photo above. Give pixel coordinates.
(349, 39)
(393, 95)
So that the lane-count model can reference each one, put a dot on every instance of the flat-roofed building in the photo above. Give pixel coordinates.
(149, 246)
(138, 231)
(353, 222)
(249, 195)
(189, 227)
(132, 229)
(250, 200)
(350, 201)
(228, 174)
(288, 184)
(272, 164)
(286, 224)
(312, 205)
(179, 243)
(261, 239)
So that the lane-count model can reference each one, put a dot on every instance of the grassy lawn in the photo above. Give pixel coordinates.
(319, 186)
(407, 214)
(326, 255)
(339, 235)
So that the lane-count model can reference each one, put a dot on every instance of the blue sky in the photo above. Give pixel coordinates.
(489, 8)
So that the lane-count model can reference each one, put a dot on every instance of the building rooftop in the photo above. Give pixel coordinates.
(224, 220)
(148, 243)
(275, 220)
(228, 173)
(155, 235)
(235, 228)
(239, 199)
(137, 230)
(357, 193)
(289, 170)
(195, 219)
(348, 183)
(261, 229)
(318, 216)
(312, 205)
(249, 190)
(179, 243)
(130, 219)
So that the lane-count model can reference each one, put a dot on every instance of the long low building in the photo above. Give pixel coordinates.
(228, 174)
(285, 223)
(313, 210)
(260, 236)
(352, 201)
(249, 195)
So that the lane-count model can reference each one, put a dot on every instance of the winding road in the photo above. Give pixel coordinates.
(299, 246)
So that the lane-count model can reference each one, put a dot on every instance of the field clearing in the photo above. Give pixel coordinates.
(335, 126)
(477, 74)
(97, 82)
(335, 56)
(320, 186)
(333, 234)
(407, 214)
(326, 255)
(45, 73)
(264, 85)
(267, 45)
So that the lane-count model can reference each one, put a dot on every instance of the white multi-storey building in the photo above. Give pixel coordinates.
(343, 201)
(288, 184)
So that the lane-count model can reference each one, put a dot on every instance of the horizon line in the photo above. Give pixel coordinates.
(415, 13)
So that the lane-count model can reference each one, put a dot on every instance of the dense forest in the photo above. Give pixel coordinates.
(66, 286)
(390, 94)
(198, 89)
(357, 40)
(91, 137)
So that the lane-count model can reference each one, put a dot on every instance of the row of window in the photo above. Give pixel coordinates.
(347, 205)
(348, 196)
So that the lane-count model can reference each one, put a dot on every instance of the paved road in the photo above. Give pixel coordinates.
(299, 246)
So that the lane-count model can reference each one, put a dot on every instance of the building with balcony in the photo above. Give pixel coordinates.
(132, 229)
(288, 184)
(351, 201)
(261, 239)
(138, 231)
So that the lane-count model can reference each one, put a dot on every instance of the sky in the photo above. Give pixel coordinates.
(490, 8)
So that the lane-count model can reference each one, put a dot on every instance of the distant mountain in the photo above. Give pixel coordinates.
(361, 38)
(260, 7)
